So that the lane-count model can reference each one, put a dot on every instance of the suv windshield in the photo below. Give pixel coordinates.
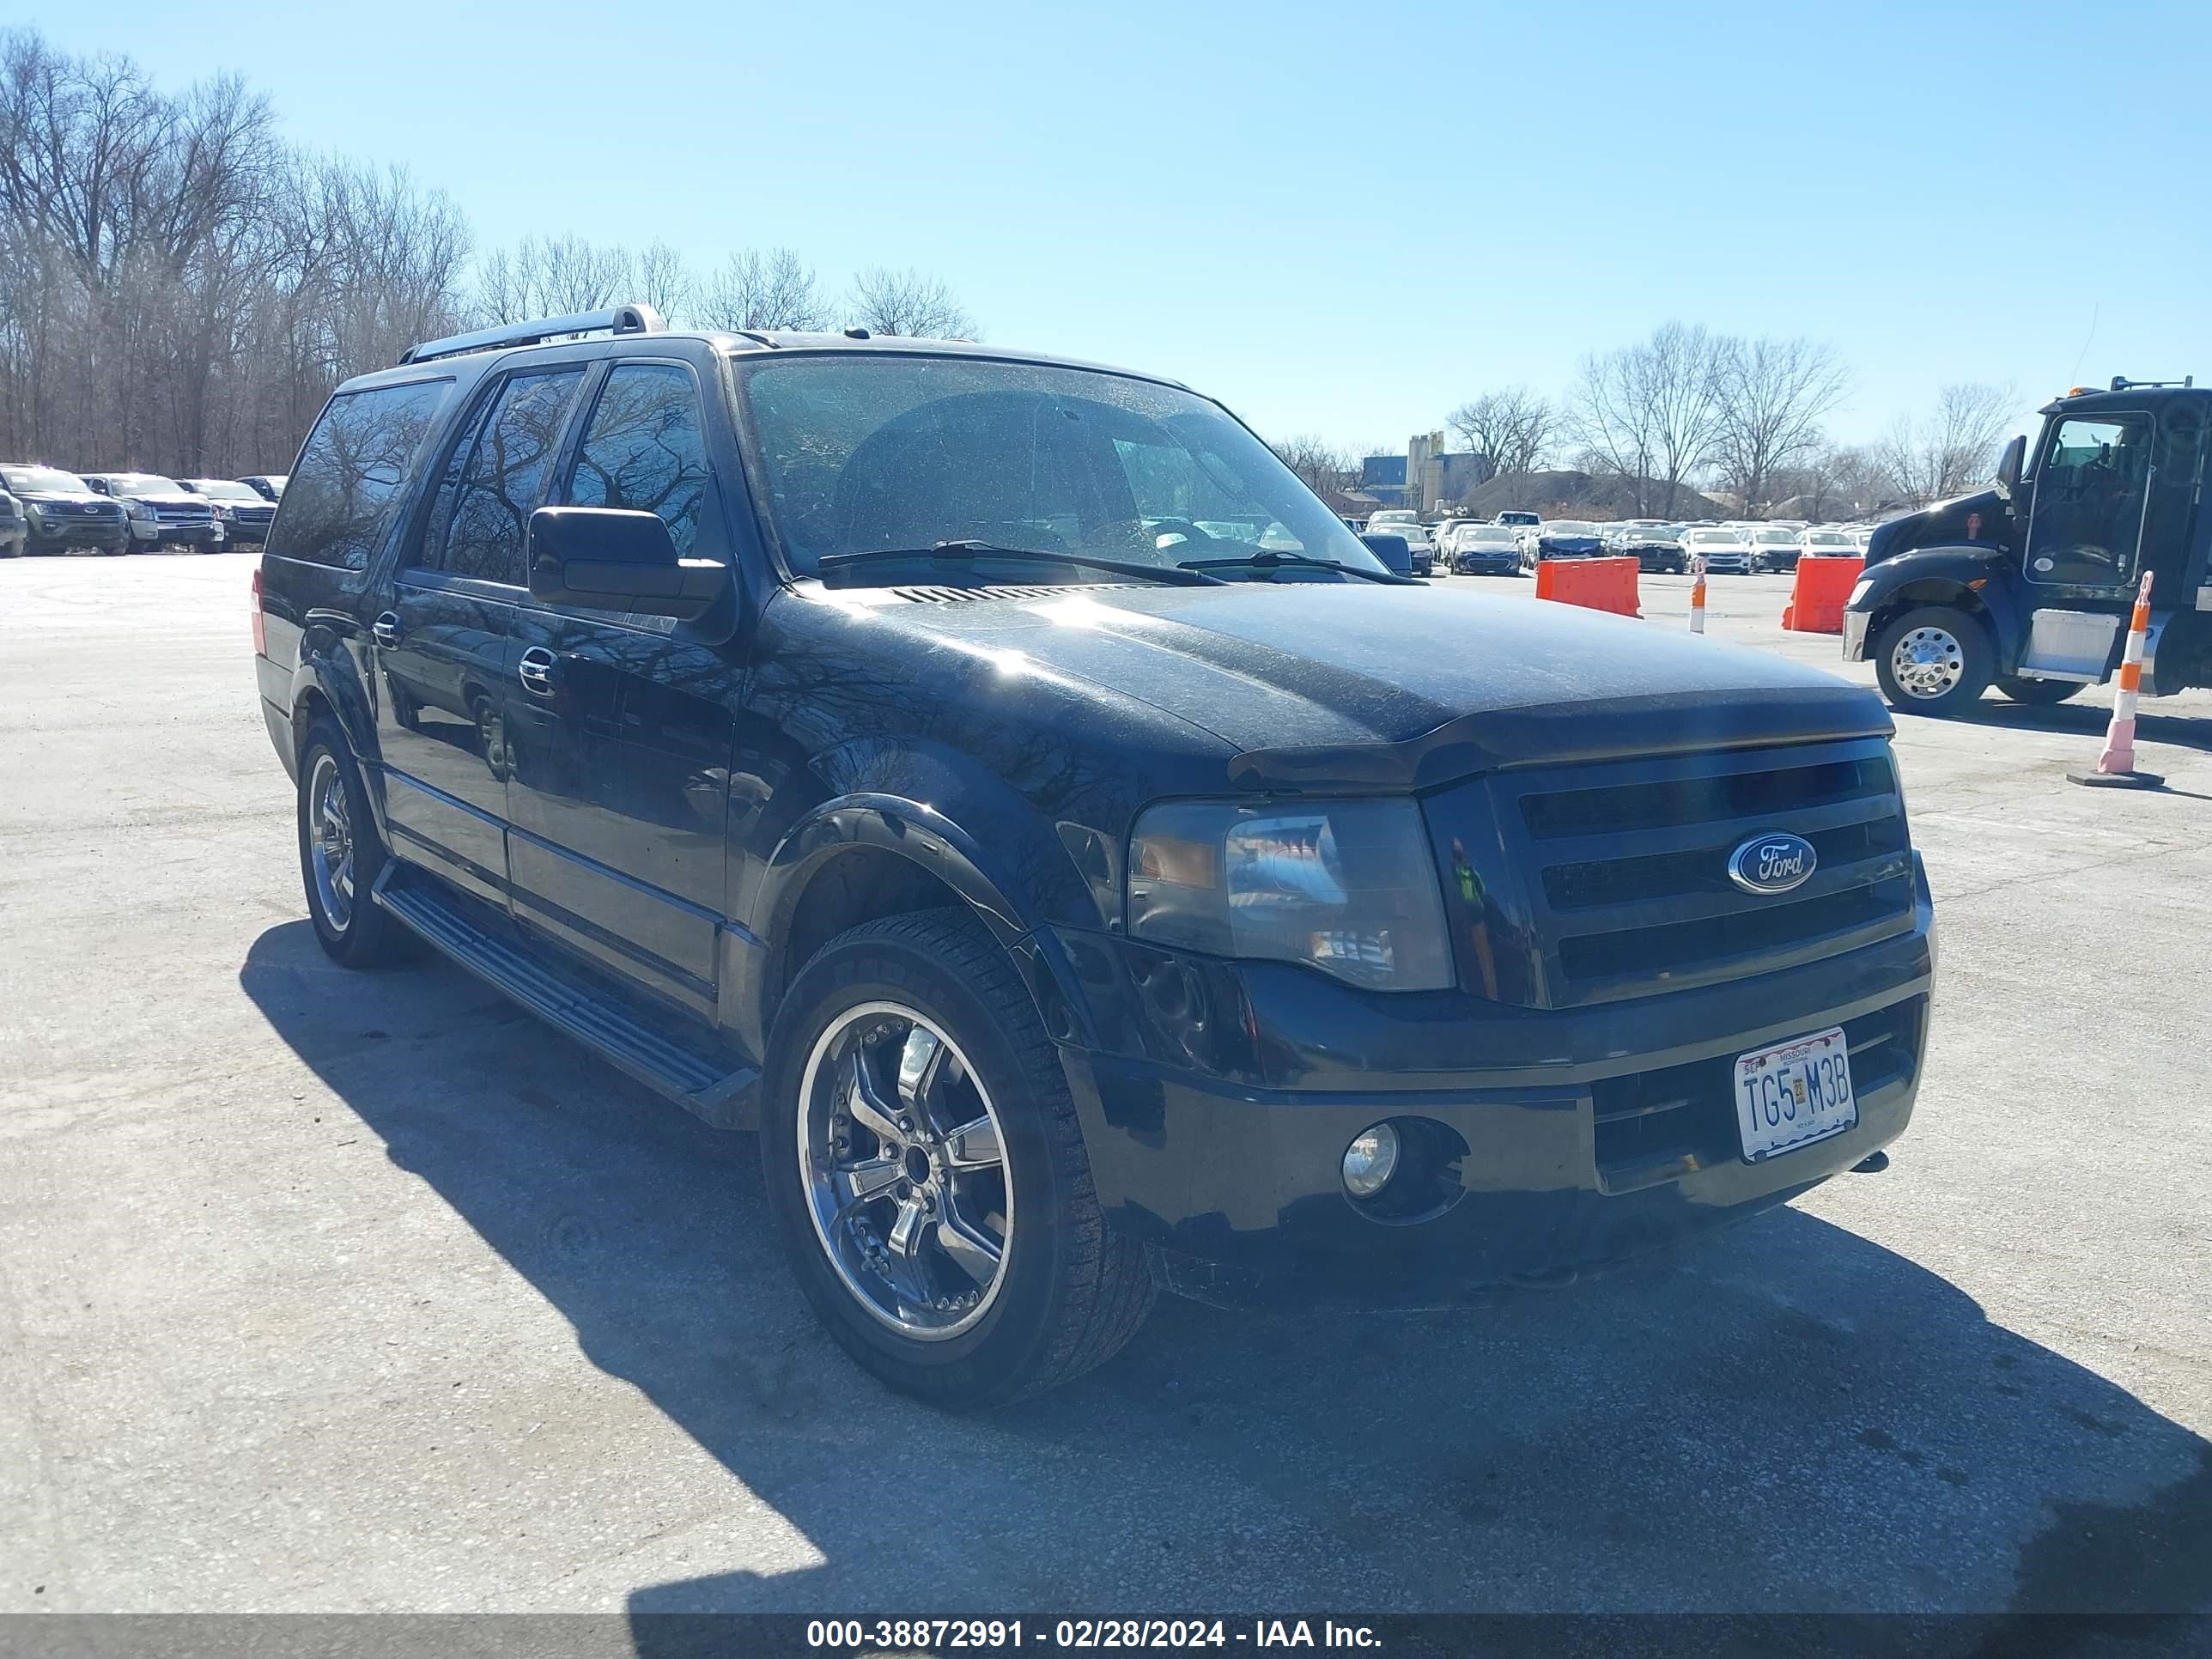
(42, 481)
(864, 453)
(1569, 527)
(143, 483)
(221, 490)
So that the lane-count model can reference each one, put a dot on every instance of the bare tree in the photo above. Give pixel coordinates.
(1774, 394)
(180, 290)
(1513, 427)
(1953, 449)
(909, 302)
(1323, 466)
(665, 281)
(552, 277)
(770, 289)
(1651, 412)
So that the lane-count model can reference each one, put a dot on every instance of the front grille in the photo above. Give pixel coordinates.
(1632, 893)
(195, 518)
(1664, 802)
(1654, 1126)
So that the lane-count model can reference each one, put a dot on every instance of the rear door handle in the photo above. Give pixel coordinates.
(387, 629)
(537, 672)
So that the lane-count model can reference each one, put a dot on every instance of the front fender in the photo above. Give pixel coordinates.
(999, 880)
(1969, 576)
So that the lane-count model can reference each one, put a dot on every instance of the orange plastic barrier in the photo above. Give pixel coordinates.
(1594, 584)
(1816, 597)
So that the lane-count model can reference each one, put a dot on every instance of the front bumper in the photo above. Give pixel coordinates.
(1237, 1186)
(145, 533)
(52, 536)
(1854, 635)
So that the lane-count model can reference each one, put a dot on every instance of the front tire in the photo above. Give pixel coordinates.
(1934, 660)
(2037, 693)
(340, 856)
(927, 1173)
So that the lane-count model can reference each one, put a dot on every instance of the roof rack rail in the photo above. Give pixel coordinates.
(618, 319)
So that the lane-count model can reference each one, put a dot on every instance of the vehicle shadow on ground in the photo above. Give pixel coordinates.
(1788, 1417)
(2087, 722)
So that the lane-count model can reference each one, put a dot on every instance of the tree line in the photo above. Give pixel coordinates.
(1686, 411)
(180, 288)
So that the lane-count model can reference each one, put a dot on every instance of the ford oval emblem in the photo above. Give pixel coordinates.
(1772, 864)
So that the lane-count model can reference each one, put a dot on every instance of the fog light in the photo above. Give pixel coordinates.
(1370, 1161)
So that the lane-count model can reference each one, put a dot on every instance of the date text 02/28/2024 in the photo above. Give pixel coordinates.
(1009, 1635)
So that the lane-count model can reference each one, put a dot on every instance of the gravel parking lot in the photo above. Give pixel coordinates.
(326, 1292)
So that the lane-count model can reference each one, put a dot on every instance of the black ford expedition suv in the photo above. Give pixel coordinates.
(1002, 784)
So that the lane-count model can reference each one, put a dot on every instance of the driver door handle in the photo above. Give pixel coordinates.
(387, 629)
(536, 670)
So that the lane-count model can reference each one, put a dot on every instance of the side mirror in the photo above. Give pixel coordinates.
(612, 559)
(2009, 465)
(1395, 551)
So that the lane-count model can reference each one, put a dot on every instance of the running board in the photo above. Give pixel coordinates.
(617, 1027)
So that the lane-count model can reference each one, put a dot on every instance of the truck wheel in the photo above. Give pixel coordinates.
(927, 1173)
(2037, 693)
(340, 855)
(1934, 660)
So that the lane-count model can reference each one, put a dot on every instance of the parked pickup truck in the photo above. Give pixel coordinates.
(161, 512)
(861, 741)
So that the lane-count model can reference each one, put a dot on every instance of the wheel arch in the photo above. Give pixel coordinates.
(325, 682)
(861, 858)
(1964, 579)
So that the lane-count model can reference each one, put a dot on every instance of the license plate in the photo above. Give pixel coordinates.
(1794, 1094)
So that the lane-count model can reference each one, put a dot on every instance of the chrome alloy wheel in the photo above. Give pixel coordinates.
(330, 842)
(1926, 662)
(904, 1168)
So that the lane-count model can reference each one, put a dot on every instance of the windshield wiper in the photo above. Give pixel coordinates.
(1267, 559)
(968, 551)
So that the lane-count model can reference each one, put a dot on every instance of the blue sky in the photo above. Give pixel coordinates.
(1340, 219)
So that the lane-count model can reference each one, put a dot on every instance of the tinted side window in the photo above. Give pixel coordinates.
(505, 477)
(354, 463)
(644, 449)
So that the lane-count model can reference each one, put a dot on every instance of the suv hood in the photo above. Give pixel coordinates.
(1320, 683)
(163, 497)
(65, 497)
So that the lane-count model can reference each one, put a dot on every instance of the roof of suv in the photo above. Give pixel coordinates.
(485, 347)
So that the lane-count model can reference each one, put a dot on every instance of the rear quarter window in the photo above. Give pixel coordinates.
(338, 503)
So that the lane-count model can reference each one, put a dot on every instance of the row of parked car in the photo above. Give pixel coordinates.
(1515, 542)
(44, 509)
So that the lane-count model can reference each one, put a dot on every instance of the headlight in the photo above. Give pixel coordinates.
(139, 510)
(223, 513)
(1859, 591)
(1349, 887)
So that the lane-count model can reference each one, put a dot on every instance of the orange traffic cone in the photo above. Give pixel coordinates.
(2115, 766)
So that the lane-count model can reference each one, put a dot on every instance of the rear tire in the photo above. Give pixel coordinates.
(1008, 1281)
(340, 856)
(1934, 660)
(2037, 693)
